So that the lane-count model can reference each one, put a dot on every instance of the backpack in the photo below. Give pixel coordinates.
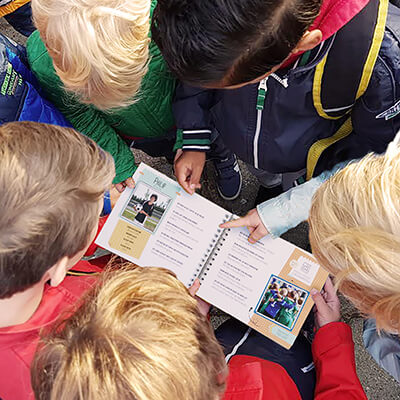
(338, 85)
(21, 98)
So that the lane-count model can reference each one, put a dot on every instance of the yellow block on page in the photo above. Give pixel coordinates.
(129, 239)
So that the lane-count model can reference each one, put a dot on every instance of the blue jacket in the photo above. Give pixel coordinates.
(273, 125)
(20, 95)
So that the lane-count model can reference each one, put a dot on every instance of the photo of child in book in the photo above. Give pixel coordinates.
(282, 302)
(146, 209)
(146, 206)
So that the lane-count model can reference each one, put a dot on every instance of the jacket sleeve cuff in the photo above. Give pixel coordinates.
(122, 176)
(292, 207)
(196, 140)
(331, 336)
(288, 209)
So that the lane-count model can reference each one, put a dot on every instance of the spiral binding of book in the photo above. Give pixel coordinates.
(209, 256)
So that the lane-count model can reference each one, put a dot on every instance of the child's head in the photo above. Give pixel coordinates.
(138, 336)
(283, 292)
(99, 47)
(355, 234)
(300, 301)
(153, 198)
(52, 181)
(293, 294)
(230, 42)
(274, 286)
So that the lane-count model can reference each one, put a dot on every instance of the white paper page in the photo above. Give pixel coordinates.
(177, 238)
(240, 272)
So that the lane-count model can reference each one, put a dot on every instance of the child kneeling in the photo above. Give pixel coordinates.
(140, 335)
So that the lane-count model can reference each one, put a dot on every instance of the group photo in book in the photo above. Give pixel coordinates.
(146, 206)
(282, 301)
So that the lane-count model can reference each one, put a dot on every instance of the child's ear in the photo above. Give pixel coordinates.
(58, 272)
(309, 40)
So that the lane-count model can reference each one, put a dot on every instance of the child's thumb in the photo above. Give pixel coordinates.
(319, 301)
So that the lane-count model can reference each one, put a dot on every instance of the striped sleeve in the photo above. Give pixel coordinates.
(196, 140)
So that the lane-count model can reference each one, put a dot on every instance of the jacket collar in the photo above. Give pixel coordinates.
(334, 14)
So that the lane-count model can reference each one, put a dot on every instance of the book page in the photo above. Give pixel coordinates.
(265, 285)
(158, 224)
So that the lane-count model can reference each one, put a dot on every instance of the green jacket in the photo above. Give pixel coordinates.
(151, 116)
(286, 315)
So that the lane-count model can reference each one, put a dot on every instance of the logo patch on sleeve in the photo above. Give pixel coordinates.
(390, 112)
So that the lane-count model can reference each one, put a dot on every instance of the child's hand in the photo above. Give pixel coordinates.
(188, 168)
(327, 305)
(203, 306)
(130, 183)
(252, 222)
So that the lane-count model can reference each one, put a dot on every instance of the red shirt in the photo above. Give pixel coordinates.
(18, 343)
(251, 378)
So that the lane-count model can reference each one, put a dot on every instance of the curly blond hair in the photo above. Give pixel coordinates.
(355, 234)
(100, 48)
(139, 335)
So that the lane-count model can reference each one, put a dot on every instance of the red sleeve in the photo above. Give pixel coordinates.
(333, 353)
(93, 246)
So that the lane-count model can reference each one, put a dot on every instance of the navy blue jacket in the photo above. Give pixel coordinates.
(278, 137)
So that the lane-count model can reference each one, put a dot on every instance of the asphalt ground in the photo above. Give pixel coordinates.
(377, 384)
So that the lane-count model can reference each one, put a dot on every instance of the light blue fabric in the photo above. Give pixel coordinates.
(292, 207)
(383, 347)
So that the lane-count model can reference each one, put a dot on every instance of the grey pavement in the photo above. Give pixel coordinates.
(377, 383)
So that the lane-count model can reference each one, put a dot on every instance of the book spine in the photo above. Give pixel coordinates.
(213, 247)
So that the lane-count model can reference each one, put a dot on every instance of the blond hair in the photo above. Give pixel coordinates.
(52, 180)
(99, 47)
(355, 234)
(139, 335)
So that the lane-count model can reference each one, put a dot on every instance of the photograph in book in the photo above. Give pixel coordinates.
(281, 302)
(146, 206)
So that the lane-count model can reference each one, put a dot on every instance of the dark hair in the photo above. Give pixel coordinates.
(155, 197)
(235, 41)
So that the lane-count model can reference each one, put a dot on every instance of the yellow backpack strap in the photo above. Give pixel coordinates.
(343, 75)
(318, 147)
(12, 6)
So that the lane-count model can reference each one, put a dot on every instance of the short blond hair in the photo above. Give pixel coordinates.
(99, 47)
(52, 180)
(355, 234)
(139, 335)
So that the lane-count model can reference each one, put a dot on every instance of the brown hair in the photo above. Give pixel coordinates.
(355, 234)
(139, 335)
(52, 180)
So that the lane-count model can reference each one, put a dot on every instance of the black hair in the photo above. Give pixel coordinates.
(155, 197)
(232, 41)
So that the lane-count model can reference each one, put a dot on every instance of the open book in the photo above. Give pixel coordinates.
(265, 285)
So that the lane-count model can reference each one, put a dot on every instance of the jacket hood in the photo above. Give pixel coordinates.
(334, 14)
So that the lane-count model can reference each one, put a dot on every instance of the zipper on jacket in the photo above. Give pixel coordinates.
(282, 81)
(261, 93)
